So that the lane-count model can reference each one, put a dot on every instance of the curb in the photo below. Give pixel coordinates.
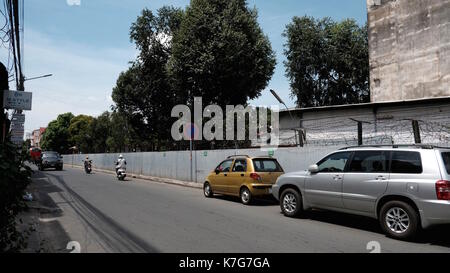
(148, 178)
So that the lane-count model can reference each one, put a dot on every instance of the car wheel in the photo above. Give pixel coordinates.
(246, 196)
(291, 203)
(399, 220)
(207, 190)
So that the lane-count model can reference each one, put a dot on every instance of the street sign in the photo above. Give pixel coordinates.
(17, 136)
(17, 100)
(19, 118)
(17, 126)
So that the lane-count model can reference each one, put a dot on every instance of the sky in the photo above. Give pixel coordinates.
(85, 44)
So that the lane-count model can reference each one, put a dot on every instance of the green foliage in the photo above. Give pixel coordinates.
(214, 49)
(220, 53)
(14, 178)
(100, 130)
(57, 137)
(143, 92)
(327, 61)
(120, 135)
(80, 132)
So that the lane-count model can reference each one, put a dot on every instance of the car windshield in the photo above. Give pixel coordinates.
(446, 158)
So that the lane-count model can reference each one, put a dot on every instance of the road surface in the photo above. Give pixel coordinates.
(105, 215)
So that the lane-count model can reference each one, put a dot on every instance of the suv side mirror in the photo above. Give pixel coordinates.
(313, 168)
(217, 171)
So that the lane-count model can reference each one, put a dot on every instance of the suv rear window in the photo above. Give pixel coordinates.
(406, 162)
(446, 158)
(266, 165)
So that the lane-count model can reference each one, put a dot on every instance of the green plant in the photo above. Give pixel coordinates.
(14, 178)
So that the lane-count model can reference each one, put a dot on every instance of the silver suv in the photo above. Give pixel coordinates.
(405, 187)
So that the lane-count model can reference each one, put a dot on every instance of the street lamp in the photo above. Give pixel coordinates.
(292, 117)
(40, 77)
(34, 78)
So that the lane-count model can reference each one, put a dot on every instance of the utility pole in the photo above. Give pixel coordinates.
(4, 85)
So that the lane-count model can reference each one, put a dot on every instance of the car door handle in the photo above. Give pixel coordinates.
(337, 178)
(242, 175)
(225, 174)
(381, 178)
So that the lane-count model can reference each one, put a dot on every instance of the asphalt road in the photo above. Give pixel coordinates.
(105, 215)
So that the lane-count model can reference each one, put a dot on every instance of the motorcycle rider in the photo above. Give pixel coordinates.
(121, 163)
(87, 163)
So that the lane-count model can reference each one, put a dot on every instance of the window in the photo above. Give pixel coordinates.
(225, 166)
(266, 165)
(406, 162)
(446, 158)
(369, 162)
(334, 163)
(240, 166)
(50, 155)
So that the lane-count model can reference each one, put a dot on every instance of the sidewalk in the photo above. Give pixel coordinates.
(40, 236)
(148, 178)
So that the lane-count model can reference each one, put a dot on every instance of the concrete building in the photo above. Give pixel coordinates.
(36, 137)
(409, 48)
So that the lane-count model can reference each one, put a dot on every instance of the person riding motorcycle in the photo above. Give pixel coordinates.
(121, 163)
(87, 164)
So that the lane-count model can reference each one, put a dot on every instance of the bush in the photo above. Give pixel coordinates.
(15, 176)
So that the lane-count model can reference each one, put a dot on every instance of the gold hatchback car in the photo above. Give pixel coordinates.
(243, 176)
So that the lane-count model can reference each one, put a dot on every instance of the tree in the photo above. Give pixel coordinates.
(100, 130)
(80, 133)
(220, 53)
(327, 62)
(143, 93)
(119, 139)
(56, 137)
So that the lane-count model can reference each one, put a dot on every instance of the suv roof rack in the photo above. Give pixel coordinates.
(417, 146)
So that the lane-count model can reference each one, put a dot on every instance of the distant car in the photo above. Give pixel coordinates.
(35, 154)
(405, 187)
(51, 160)
(243, 176)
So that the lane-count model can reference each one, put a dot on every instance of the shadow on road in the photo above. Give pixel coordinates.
(257, 202)
(437, 235)
(117, 237)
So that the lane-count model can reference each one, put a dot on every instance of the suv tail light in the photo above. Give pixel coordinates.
(255, 176)
(443, 190)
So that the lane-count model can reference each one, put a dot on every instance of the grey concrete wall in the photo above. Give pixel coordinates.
(409, 44)
(176, 165)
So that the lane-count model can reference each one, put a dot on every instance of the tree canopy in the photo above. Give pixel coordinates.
(56, 136)
(143, 93)
(220, 53)
(80, 132)
(327, 62)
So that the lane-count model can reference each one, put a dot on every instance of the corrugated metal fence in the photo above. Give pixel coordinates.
(176, 165)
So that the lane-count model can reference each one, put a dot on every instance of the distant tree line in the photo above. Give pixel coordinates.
(108, 132)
